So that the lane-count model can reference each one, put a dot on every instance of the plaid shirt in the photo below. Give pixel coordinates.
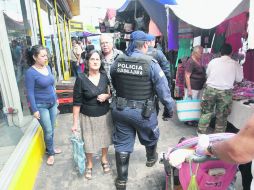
(107, 64)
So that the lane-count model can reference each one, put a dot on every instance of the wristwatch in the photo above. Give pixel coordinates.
(210, 149)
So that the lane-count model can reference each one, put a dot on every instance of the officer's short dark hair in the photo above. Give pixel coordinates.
(226, 49)
(139, 44)
(89, 48)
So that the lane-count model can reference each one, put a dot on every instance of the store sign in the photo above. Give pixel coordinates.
(76, 26)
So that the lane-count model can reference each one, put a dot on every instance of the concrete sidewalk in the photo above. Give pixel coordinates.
(63, 176)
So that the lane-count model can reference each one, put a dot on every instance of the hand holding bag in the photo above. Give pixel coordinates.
(78, 153)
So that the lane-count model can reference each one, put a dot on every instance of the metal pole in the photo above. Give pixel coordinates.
(166, 38)
(38, 6)
(59, 40)
(67, 40)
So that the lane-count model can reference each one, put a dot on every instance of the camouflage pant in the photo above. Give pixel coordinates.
(218, 102)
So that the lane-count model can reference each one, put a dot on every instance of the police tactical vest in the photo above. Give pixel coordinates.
(133, 78)
(153, 53)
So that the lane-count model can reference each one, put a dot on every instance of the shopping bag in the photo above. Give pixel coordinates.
(78, 153)
(188, 110)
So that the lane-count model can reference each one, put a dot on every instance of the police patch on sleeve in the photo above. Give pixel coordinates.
(161, 73)
(132, 69)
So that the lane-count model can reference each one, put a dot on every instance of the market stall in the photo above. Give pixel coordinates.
(240, 113)
(243, 104)
(186, 23)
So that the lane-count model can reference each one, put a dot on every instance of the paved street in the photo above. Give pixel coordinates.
(63, 176)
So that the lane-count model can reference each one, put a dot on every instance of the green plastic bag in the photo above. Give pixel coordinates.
(193, 185)
(79, 156)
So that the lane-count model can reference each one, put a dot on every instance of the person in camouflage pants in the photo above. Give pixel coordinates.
(219, 101)
(221, 73)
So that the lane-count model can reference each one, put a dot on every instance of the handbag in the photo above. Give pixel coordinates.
(188, 110)
(79, 157)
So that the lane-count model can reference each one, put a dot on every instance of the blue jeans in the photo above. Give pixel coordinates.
(48, 113)
(75, 68)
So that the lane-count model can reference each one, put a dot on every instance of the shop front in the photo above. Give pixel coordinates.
(24, 23)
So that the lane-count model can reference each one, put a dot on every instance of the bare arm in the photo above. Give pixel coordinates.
(239, 73)
(76, 110)
(79, 57)
(188, 84)
(240, 148)
(79, 51)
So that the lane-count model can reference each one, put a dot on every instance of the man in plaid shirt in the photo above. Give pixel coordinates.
(109, 54)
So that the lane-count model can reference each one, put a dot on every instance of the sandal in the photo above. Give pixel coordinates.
(50, 160)
(106, 167)
(57, 151)
(88, 173)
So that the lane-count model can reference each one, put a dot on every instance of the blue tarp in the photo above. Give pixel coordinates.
(125, 6)
(187, 11)
(83, 34)
(154, 8)
(169, 2)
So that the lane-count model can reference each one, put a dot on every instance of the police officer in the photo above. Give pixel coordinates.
(137, 78)
(164, 64)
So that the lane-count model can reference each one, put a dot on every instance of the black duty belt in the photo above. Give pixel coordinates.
(135, 104)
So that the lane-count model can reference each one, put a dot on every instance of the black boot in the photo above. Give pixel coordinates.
(122, 164)
(151, 155)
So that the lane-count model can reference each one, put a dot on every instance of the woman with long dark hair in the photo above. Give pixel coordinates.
(42, 97)
(91, 107)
